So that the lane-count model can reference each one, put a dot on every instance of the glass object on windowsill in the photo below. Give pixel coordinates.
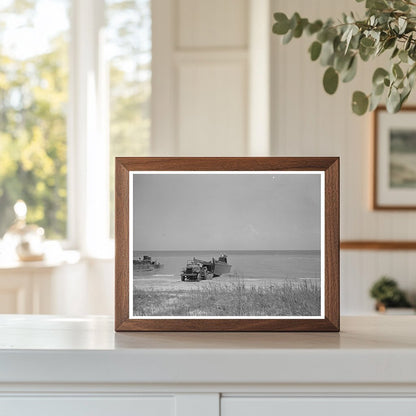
(25, 241)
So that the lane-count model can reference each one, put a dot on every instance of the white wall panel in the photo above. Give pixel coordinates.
(212, 108)
(212, 23)
(308, 122)
(200, 77)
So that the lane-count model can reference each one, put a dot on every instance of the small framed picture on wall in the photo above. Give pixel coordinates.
(394, 158)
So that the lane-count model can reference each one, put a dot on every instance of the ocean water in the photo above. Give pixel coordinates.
(247, 264)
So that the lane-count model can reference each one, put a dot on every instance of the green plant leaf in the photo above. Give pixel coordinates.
(327, 53)
(315, 50)
(408, 42)
(395, 52)
(376, 4)
(403, 56)
(298, 30)
(367, 42)
(351, 71)
(379, 75)
(281, 27)
(378, 89)
(314, 27)
(393, 101)
(397, 71)
(374, 102)
(330, 80)
(359, 103)
(288, 37)
(341, 61)
(389, 43)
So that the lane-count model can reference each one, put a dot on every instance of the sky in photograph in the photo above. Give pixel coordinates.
(219, 212)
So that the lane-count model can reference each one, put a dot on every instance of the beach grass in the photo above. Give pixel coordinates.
(235, 298)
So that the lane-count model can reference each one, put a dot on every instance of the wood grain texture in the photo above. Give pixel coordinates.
(330, 165)
(121, 244)
(378, 245)
(376, 204)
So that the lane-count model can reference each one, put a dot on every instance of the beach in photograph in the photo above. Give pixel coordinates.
(259, 284)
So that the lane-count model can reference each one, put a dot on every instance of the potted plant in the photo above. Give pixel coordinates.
(387, 294)
(389, 27)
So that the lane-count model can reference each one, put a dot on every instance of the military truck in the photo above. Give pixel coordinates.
(195, 271)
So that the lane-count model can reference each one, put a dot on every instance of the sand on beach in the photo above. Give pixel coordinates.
(172, 282)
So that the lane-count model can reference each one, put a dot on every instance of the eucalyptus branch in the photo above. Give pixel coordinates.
(389, 25)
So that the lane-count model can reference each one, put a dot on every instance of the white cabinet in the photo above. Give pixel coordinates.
(269, 406)
(80, 366)
(88, 406)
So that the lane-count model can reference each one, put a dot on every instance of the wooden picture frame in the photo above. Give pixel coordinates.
(300, 169)
(394, 184)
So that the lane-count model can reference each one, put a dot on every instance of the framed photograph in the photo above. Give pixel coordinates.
(227, 244)
(394, 183)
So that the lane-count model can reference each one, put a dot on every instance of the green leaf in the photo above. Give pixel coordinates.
(403, 56)
(378, 89)
(315, 50)
(322, 36)
(367, 42)
(281, 27)
(288, 37)
(374, 102)
(404, 96)
(351, 71)
(397, 71)
(314, 27)
(294, 20)
(402, 24)
(400, 5)
(395, 52)
(408, 42)
(379, 75)
(393, 101)
(341, 62)
(389, 43)
(330, 80)
(327, 53)
(376, 4)
(359, 103)
(298, 30)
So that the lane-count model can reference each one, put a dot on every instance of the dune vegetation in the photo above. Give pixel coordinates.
(232, 298)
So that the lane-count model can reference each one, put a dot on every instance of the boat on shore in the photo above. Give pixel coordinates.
(197, 269)
(146, 264)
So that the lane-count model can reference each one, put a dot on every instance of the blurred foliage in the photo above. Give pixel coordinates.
(33, 97)
(389, 27)
(387, 292)
(33, 106)
(129, 36)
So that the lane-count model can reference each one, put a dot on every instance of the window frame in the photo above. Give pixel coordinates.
(87, 133)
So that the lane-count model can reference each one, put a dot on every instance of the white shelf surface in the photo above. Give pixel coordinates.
(53, 349)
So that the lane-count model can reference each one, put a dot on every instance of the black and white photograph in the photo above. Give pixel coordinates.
(226, 244)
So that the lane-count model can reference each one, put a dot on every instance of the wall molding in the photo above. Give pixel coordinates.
(378, 245)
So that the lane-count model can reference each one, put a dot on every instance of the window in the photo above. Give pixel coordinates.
(129, 43)
(33, 99)
(75, 88)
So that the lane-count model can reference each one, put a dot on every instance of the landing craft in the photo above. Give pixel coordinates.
(146, 264)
